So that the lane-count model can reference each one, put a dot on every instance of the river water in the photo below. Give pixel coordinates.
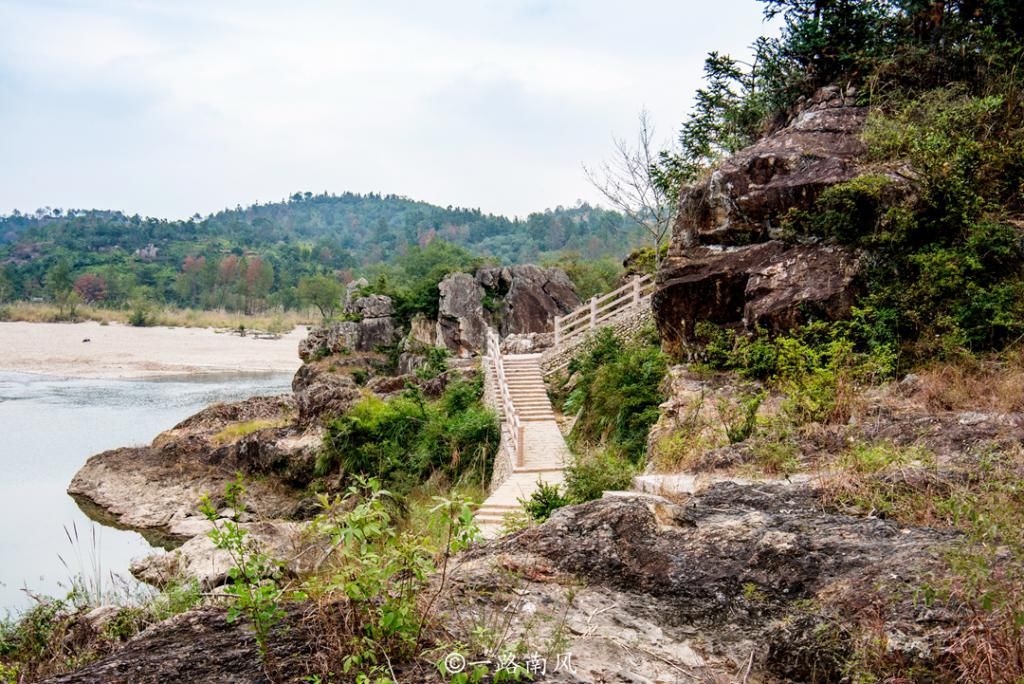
(48, 428)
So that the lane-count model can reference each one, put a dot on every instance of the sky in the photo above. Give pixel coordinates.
(172, 107)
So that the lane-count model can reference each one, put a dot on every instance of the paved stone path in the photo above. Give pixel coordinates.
(545, 451)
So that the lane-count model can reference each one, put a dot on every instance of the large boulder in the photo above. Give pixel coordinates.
(726, 262)
(461, 326)
(768, 285)
(531, 296)
(374, 327)
(735, 579)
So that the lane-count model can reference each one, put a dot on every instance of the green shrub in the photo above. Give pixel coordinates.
(370, 602)
(544, 500)
(740, 418)
(590, 475)
(142, 314)
(254, 577)
(435, 363)
(405, 440)
(617, 392)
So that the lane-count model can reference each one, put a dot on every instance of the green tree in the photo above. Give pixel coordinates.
(322, 291)
(60, 287)
(6, 286)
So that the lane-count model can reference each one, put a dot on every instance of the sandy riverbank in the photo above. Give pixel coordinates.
(119, 351)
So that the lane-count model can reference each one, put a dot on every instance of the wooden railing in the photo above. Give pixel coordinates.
(515, 424)
(599, 310)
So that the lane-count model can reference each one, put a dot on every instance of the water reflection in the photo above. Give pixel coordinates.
(48, 428)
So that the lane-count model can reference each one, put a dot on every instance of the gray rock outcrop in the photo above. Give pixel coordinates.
(531, 296)
(734, 579)
(726, 263)
(374, 327)
(523, 300)
(461, 326)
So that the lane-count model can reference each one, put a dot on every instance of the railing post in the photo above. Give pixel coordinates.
(636, 291)
(558, 330)
(593, 312)
(519, 445)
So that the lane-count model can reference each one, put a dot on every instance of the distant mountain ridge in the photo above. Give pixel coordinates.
(371, 227)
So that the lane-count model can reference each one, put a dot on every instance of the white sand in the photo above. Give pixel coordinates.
(120, 351)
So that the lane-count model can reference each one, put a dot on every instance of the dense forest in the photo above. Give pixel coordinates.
(247, 259)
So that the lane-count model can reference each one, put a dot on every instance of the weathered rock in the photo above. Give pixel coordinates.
(461, 326)
(352, 289)
(341, 337)
(767, 284)
(375, 328)
(320, 392)
(285, 453)
(531, 296)
(200, 560)
(156, 489)
(375, 333)
(202, 647)
(372, 306)
(422, 333)
(726, 264)
(702, 585)
(801, 283)
(745, 197)
(525, 343)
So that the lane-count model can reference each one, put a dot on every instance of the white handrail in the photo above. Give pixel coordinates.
(630, 296)
(511, 415)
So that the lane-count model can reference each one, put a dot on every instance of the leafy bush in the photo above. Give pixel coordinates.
(141, 315)
(592, 474)
(254, 578)
(405, 440)
(369, 602)
(545, 499)
(817, 366)
(590, 276)
(947, 261)
(617, 392)
(434, 364)
(740, 418)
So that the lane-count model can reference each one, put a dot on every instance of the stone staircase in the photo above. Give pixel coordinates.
(543, 450)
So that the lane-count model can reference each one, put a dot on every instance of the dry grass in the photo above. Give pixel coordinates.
(277, 321)
(993, 384)
(235, 431)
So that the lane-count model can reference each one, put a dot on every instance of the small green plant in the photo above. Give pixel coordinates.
(381, 569)
(435, 363)
(544, 500)
(592, 474)
(141, 315)
(739, 419)
(254, 578)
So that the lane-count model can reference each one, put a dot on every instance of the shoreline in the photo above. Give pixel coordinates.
(120, 352)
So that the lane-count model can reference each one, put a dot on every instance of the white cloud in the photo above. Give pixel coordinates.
(169, 108)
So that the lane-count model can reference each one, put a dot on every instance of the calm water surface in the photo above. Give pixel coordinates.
(48, 428)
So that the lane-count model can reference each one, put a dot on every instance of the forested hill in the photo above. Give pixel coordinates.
(305, 234)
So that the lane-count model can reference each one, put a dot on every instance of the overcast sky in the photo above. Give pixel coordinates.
(169, 107)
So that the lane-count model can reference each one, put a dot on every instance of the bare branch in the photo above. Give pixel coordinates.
(629, 184)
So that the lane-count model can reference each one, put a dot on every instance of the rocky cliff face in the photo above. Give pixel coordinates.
(372, 326)
(522, 299)
(727, 262)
